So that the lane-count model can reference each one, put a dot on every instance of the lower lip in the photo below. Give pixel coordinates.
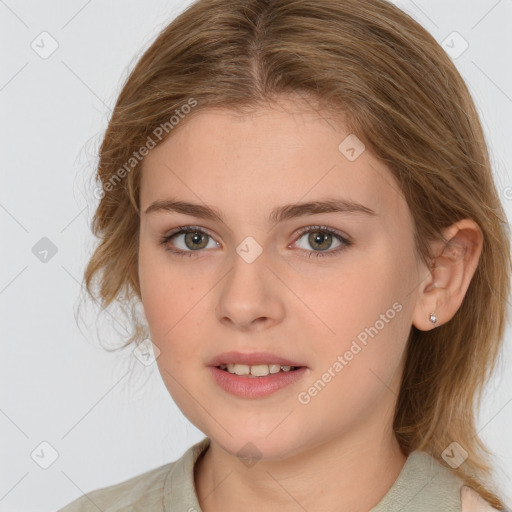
(255, 387)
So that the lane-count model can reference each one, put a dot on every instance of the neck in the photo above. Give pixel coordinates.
(350, 472)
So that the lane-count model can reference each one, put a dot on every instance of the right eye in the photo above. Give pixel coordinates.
(194, 239)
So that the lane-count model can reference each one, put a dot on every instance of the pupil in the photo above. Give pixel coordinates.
(319, 239)
(195, 239)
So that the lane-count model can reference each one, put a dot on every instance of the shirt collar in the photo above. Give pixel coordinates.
(422, 485)
(179, 489)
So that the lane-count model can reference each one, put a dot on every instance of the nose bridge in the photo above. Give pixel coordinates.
(247, 277)
(249, 291)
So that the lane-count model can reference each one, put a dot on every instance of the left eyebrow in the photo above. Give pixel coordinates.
(278, 214)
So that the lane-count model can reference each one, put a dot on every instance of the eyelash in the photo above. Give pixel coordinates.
(315, 254)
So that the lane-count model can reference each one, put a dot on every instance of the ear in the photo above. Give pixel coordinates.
(447, 281)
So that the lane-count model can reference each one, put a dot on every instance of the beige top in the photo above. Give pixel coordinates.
(423, 485)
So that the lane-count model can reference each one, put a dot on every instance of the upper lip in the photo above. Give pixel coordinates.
(251, 358)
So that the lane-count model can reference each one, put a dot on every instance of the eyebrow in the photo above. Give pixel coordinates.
(278, 214)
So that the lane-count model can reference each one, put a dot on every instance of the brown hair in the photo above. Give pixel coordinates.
(404, 98)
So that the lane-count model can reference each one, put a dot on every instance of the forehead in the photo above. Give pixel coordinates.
(278, 154)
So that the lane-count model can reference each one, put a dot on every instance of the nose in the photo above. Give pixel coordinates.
(250, 296)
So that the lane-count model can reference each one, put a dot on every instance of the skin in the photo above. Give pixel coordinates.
(337, 452)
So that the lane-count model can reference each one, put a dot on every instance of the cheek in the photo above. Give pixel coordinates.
(357, 367)
(367, 312)
(160, 299)
(353, 297)
(165, 291)
(172, 307)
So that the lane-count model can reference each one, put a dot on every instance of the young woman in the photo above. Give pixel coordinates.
(300, 195)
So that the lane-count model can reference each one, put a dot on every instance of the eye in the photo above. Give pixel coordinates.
(194, 238)
(321, 238)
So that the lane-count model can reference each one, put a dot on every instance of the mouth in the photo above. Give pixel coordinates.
(257, 370)
(256, 381)
(258, 360)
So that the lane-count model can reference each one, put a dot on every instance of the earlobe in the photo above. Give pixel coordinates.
(441, 293)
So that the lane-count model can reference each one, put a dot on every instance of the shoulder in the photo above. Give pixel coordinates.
(164, 487)
(472, 501)
(144, 490)
(426, 484)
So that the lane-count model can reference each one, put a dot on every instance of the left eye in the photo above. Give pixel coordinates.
(321, 237)
(195, 239)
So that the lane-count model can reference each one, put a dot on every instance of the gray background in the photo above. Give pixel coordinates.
(106, 415)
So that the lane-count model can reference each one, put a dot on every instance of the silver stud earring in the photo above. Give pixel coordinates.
(433, 317)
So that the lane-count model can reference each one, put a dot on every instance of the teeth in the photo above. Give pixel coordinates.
(257, 370)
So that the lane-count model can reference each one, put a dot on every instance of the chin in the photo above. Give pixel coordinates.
(253, 446)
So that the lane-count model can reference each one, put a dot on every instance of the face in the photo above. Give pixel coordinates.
(333, 291)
